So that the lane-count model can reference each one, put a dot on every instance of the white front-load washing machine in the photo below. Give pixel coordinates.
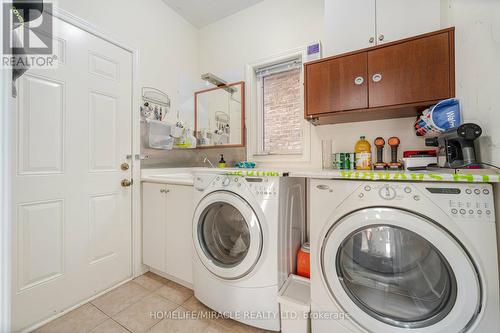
(246, 232)
(403, 257)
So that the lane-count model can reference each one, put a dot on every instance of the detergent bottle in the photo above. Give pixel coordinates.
(363, 151)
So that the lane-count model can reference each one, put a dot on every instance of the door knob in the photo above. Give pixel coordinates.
(371, 40)
(126, 182)
(124, 166)
(381, 37)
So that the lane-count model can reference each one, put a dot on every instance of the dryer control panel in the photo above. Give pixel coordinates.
(460, 201)
(474, 201)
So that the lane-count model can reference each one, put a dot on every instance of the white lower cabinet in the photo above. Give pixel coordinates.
(167, 212)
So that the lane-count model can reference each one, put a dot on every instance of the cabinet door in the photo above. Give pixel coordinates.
(331, 85)
(179, 252)
(410, 72)
(398, 19)
(153, 225)
(349, 25)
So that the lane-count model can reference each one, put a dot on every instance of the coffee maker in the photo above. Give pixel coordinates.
(456, 146)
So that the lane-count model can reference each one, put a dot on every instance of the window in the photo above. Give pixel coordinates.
(280, 107)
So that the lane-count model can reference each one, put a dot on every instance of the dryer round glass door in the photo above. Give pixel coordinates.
(227, 233)
(399, 269)
(396, 276)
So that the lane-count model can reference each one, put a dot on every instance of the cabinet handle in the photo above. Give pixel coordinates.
(163, 190)
(381, 37)
(377, 77)
(359, 80)
(371, 40)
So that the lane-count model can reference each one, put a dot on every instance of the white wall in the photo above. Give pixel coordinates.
(168, 44)
(275, 26)
(477, 57)
(265, 29)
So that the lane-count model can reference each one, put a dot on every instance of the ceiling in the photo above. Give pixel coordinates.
(203, 12)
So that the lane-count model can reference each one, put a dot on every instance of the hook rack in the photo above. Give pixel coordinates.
(153, 103)
(155, 96)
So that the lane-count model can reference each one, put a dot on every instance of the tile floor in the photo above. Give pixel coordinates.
(128, 309)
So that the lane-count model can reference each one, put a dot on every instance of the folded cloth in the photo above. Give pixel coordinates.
(244, 165)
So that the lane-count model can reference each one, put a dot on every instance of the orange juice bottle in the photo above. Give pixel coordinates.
(363, 151)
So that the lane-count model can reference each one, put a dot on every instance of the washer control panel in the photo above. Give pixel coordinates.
(262, 188)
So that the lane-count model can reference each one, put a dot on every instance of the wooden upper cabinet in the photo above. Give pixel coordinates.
(410, 72)
(336, 85)
(397, 79)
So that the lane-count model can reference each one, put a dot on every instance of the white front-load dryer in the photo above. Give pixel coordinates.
(403, 257)
(246, 231)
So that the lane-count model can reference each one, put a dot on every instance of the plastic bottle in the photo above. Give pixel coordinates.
(363, 151)
(222, 162)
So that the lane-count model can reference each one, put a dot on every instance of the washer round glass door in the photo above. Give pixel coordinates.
(399, 270)
(227, 235)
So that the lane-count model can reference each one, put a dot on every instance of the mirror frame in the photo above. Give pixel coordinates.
(243, 127)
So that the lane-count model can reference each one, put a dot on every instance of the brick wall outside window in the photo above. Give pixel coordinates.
(283, 112)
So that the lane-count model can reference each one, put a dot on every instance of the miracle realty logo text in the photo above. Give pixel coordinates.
(27, 37)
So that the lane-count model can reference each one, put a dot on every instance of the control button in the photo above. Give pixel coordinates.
(236, 180)
(477, 191)
(368, 188)
(416, 198)
(387, 193)
(462, 211)
(488, 212)
(486, 191)
(471, 211)
(468, 191)
(479, 212)
(454, 211)
(218, 178)
(239, 184)
(226, 181)
(361, 195)
(407, 189)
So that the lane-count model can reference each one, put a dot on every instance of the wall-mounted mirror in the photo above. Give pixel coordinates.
(220, 116)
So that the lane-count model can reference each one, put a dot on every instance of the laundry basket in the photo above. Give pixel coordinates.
(295, 305)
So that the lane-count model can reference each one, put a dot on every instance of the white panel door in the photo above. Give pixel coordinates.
(179, 249)
(350, 25)
(397, 19)
(71, 216)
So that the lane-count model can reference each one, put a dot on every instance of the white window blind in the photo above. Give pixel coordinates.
(281, 105)
(295, 63)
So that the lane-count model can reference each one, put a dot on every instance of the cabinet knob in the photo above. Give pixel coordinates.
(381, 37)
(359, 80)
(371, 40)
(377, 77)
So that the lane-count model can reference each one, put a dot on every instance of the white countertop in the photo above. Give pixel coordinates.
(185, 176)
